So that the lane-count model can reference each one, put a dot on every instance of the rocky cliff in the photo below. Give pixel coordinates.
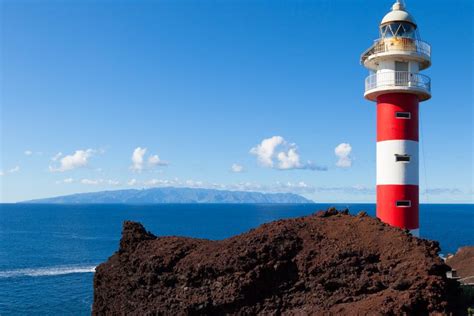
(463, 263)
(326, 263)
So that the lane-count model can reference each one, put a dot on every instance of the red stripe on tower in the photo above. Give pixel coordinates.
(397, 205)
(397, 86)
(397, 116)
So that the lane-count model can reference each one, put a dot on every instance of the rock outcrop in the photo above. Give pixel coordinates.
(326, 263)
(463, 263)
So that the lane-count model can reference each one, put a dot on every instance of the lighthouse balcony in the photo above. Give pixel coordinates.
(397, 81)
(398, 48)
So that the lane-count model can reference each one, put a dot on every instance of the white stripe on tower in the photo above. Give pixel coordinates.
(397, 162)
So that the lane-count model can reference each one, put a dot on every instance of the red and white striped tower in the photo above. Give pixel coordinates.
(394, 62)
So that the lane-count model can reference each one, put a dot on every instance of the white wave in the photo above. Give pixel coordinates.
(47, 271)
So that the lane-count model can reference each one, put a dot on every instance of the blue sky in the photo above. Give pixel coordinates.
(88, 85)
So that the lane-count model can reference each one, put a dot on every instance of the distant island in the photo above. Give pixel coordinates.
(173, 195)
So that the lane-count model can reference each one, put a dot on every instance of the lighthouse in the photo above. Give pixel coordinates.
(395, 83)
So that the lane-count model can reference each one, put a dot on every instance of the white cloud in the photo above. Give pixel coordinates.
(99, 181)
(57, 156)
(80, 158)
(156, 161)
(138, 160)
(67, 181)
(278, 187)
(193, 183)
(276, 152)
(28, 152)
(355, 189)
(289, 160)
(266, 150)
(157, 182)
(343, 152)
(297, 187)
(237, 168)
(441, 191)
(293, 187)
(14, 169)
(91, 181)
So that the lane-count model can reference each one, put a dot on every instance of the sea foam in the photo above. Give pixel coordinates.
(46, 271)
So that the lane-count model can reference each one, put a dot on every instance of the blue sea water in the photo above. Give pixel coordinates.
(48, 252)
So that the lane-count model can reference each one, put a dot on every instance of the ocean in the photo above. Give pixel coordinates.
(48, 252)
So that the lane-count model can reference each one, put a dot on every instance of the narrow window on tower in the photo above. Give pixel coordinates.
(403, 203)
(402, 158)
(403, 115)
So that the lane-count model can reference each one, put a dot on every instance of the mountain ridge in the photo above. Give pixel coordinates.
(172, 195)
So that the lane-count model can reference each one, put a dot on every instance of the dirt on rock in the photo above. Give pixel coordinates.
(329, 263)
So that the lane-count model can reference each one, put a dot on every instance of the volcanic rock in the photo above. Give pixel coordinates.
(463, 263)
(327, 263)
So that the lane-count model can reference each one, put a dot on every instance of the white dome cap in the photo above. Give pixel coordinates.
(398, 14)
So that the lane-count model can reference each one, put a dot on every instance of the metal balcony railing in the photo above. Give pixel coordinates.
(397, 44)
(395, 79)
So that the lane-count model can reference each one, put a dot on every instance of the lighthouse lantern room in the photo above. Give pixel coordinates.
(397, 86)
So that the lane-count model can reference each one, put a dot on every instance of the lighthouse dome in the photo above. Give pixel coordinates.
(398, 14)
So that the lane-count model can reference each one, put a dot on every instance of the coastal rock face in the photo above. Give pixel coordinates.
(463, 263)
(326, 263)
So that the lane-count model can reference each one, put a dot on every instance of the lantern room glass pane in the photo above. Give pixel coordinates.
(398, 29)
(383, 31)
(406, 30)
